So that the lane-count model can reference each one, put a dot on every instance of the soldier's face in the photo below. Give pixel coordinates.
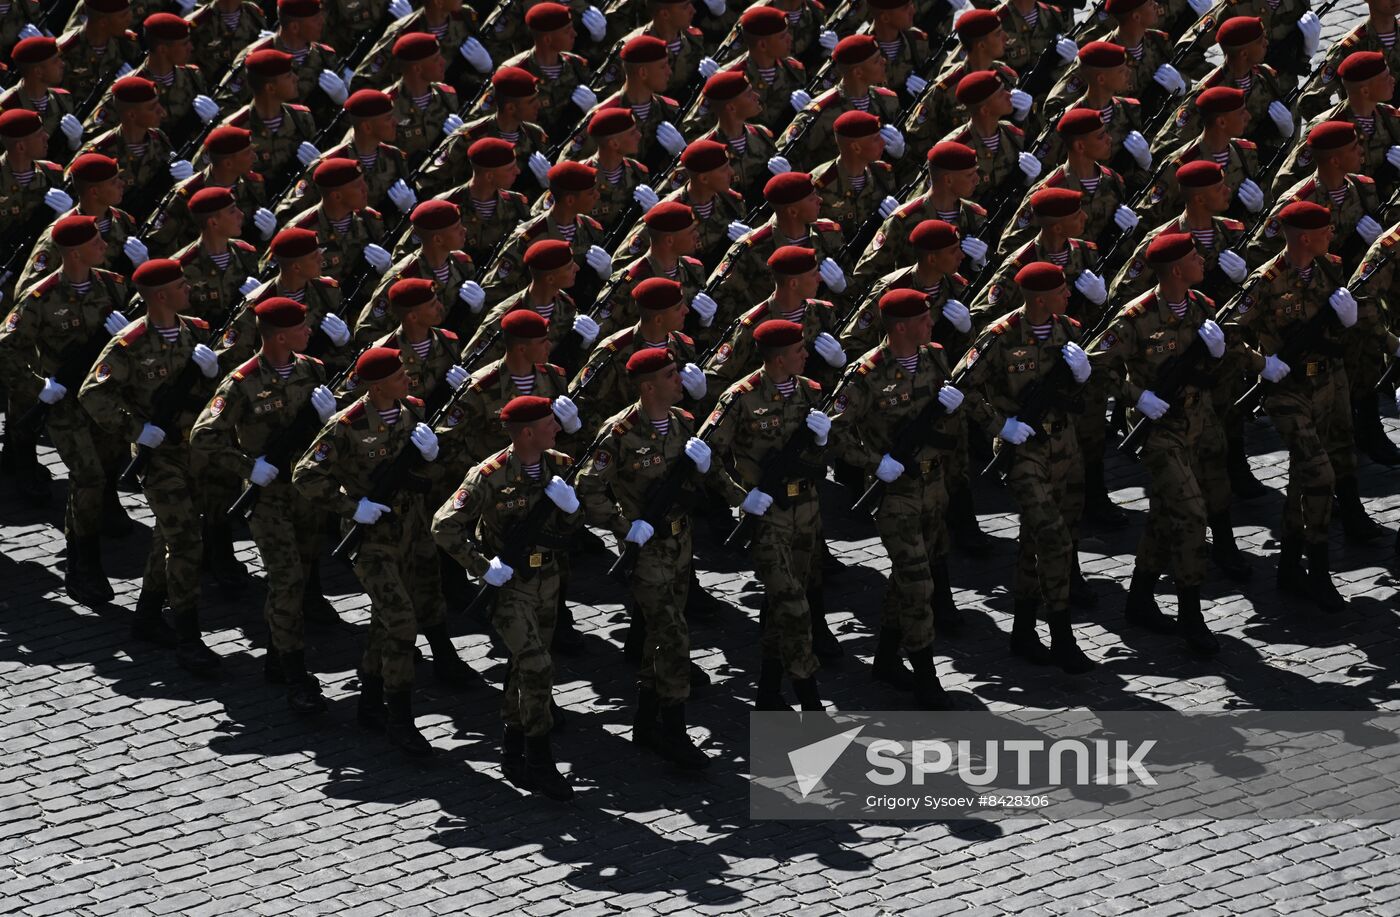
(382, 128)
(1074, 224)
(562, 39)
(505, 176)
(994, 43)
(792, 359)
(680, 15)
(667, 384)
(528, 109)
(673, 319)
(296, 338)
(806, 284)
(395, 387)
(356, 194)
(1351, 157)
(916, 330)
(536, 350)
(144, 115)
(1218, 197)
(874, 70)
(243, 160)
(542, 434)
(179, 52)
(657, 76)
(585, 201)
(1117, 79)
(1052, 303)
(948, 259)
(747, 105)
(454, 236)
(433, 68)
(1098, 145)
(109, 192)
(284, 87)
(94, 251)
(629, 141)
(809, 208)
(964, 182)
(779, 45)
(999, 104)
(1193, 268)
(51, 71)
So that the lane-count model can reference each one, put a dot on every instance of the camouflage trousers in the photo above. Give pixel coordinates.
(910, 523)
(660, 585)
(78, 441)
(177, 543)
(286, 529)
(218, 490)
(1313, 416)
(1091, 424)
(784, 555)
(398, 568)
(1176, 516)
(524, 617)
(1047, 482)
(1362, 347)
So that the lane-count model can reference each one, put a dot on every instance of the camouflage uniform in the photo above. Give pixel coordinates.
(218, 45)
(1324, 89)
(684, 60)
(471, 430)
(939, 106)
(1374, 284)
(605, 377)
(561, 322)
(1280, 28)
(484, 236)
(1165, 198)
(865, 328)
(60, 103)
(739, 355)
(450, 166)
(343, 252)
(177, 99)
(1136, 278)
(614, 201)
(235, 89)
(1360, 200)
(240, 341)
(276, 150)
(1025, 42)
(848, 206)
(378, 69)
(143, 174)
(44, 257)
(1264, 88)
(1000, 167)
(20, 203)
(713, 227)
(172, 226)
(745, 273)
(1156, 51)
(909, 59)
(85, 70)
(557, 110)
(1002, 295)
(619, 310)
(425, 374)
(661, 108)
(891, 249)
(776, 96)
(214, 290)
(504, 32)
(805, 27)
(420, 129)
(389, 167)
(509, 275)
(808, 139)
(349, 22)
(17, 16)
(376, 318)
(1126, 117)
(1384, 133)
(1099, 204)
(751, 166)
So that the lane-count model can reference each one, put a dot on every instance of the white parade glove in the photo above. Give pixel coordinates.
(890, 469)
(1392, 156)
(264, 35)
(498, 572)
(400, 8)
(57, 201)
(828, 40)
(1274, 369)
(28, 31)
(1213, 336)
(583, 97)
(956, 4)
(1092, 286)
(52, 392)
(819, 424)
(1015, 432)
(206, 108)
(1233, 266)
(323, 402)
(181, 169)
(1311, 27)
(1169, 79)
(829, 349)
(124, 70)
(586, 328)
(1282, 118)
(1152, 406)
(1250, 195)
(698, 451)
(640, 532)
(474, 53)
(777, 165)
(705, 307)
(456, 376)
(151, 436)
(1078, 361)
(333, 86)
(471, 293)
(1344, 304)
(1199, 7)
(708, 67)
(595, 22)
(1368, 228)
(248, 285)
(1136, 145)
(402, 196)
(425, 440)
(566, 412)
(799, 99)
(894, 140)
(950, 398)
(716, 7)
(335, 328)
(1066, 48)
(265, 222)
(307, 153)
(136, 251)
(561, 494)
(1125, 219)
(888, 206)
(598, 259)
(670, 138)
(368, 512)
(645, 197)
(737, 230)
(539, 167)
(1021, 103)
(756, 502)
(1030, 167)
(958, 315)
(693, 381)
(915, 85)
(186, 6)
(206, 360)
(72, 129)
(264, 472)
(377, 257)
(832, 275)
(975, 249)
(114, 322)
(452, 123)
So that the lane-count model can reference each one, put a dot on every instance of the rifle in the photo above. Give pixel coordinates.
(915, 433)
(1037, 80)
(1304, 339)
(74, 362)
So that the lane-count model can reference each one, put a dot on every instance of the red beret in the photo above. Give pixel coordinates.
(650, 360)
(210, 200)
(378, 364)
(94, 167)
(669, 216)
(72, 231)
(855, 124)
(788, 188)
(1305, 215)
(952, 156)
(762, 21)
(728, 84)
(336, 173)
(609, 121)
(1360, 66)
(430, 216)
(777, 332)
(1056, 202)
(1122, 7)
(1167, 247)
(704, 156)
(978, 86)
(1220, 100)
(1102, 54)
(223, 141)
(933, 235)
(491, 153)
(368, 103)
(1331, 135)
(34, 50)
(294, 243)
(547, 17)
(280, 312)
(976, 24)
(166, 27)
(292, 9)
(1040, 277)
(548, 255)
(854, 49)
(569, 177)
(643, 49)
(657, 293)
(526, 409)
(903, 303)
(524, 324)
(1079, 122)
(107, 6)
(19, 122)
(415, 46)
(792, 260)
(268, 62)
(1240, 30)
(157, 272)
(134, 89)
(1201, 173)
(410, 293)
(514, 83)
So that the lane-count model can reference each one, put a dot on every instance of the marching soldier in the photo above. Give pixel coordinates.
(1374, 285)
(142, 151)
(179, 84)
(552, 270)
(670, 23)
(450, 22)
(95, 52)
(315, 64)
(648, 72)
(551, 60)
(429, 353)
(97, 181)
(425, 106)
(671, 238)
(856, 185)
(28, 182)
(731, 98)
(41, 71)
(231, 158)
(1105, 74)
(1375, 35)
(221, 29)
(347, 229)
(806, 142)
(220, 267)
(518, 107)
(280, 130)
(1002, 158)
(767, 67)
(622, 180)
(1031, 27)
(1146, 62)
(490, 211)
(905, 48)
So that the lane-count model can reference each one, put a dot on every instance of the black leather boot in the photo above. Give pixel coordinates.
(948, 619)
(770, 687)
(1243, 484)
(1081, 591)
(1356, 524)
(1192, 624)
(1141, 609)
(316, 609)
(963, 526)
(83, 577)
(513, 757)
(115, 522)
(674, 742)
(824, 643)
(190, 650)
(636, 640)
(369, 711)
(448, 667)
(808, 696)
(1025, 641)
(567, 641)
(1064, 649)
(646, 725)
(928, 691)
(219, 561)
(1098, 505)
(888, 665)
(543, 774)
(402, 732)
(1225, 552)
(1369, 432)
(699, 604)
(303, 690)
(1320, 586)
(147, 624)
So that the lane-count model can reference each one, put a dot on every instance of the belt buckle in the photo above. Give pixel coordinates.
(1314, 368)
(677, 525)
(537, 560)
(794, 488)
(925, 466)
(1048, 427)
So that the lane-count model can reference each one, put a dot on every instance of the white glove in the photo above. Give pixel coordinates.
(737, 230)
(1282, 118)
(151, 436)
(894, 140)
(307, 153)
(124, 70)
(799, 99)
(597, 258)
(264, 472)
(248, 285)
(181, 169)
(670, 138)
(400, 8)
(52, 392)
(1092, 286)
(1344, 304)
(72, 129)
(1368, 228)
(425, 440)
(333, 86)
(1066, 48)
(264, 35)
(456, 376)
(583, 97)
(1078, 361)
(402, 196)
(1392, 156)
(475, 54)
(1021, 103)
(323, 402)
(889, 469)
(207, 361)
(114, 322)
(586, 328)
(975, 249)
(1311, 27)
(956, 4)
(595, 22)
(716, 7)
(693, 381)
(1233, 266)
(828, 40)
(1169, 78)
(829, 350)
(136, 251)
(566, 412)
(888, 206)
(950, 398)
(915, 85)
(1151, 406)
(1030, 166)
(777, 165)
(265, 222)
(1199, 7)
(832, 275)
(958, 315)
(186, 6)
(471, 293)
(1274, 369)
(708, 67)
(335, 328)
(1125, 219)
(57, 201)
(539, 167)
(452, 123)
(705, 307)
(1015, 432)
(756, 502)
(1213, 336)
(640, 532)
(28, 31)
(206, 108)
(1137, 146)
(698, 451)
(498, 572)
(368, 512)
(645, 197)
(1250, 195)
(561, 494)
(377, 257)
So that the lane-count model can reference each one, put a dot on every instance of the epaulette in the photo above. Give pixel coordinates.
(1232, 225)
(817, 5)
(45, 285)
(198, 322)
(1139, 306)
(306, 221)
(254, 176)
(735, 195)
(59, 90)
(243, 246)
(636, 267)
(826, 226)
(1390, 238)
(918, 33)
(1085, 243)
(1059, 175)
(693, 32)
(1364, 179)
(446, 87)
(533, 229)
(758, 235)
(668, 100)
(1015, 131)
(130, 35)
(747, 384)
(138, 329)
(296, 106)
(959, 278)
(909, 208)
(1159, 34)
(115, 277)
(881, 90)
(1389, 109)
(825, 177)
(374, 213)
(187, 255)
(759, 129)
(684, 338)
(882, 165)
(975, 208)
(686, 414)
(487, 379)
(242, 372)
(238, 118)
(306, 356)
(495, 463)
(461, 257)
(590, 222)
(1074, 322)
(515, 196)
(573, 58)
(1246, 144)
(51, 166)
(935, 345)
(754, 314)
(551, 369)
(625, 422)
(1027, 252)
(823, 101)
(1333, 259)
(618, 339)
(562, 459)
(1305, 188)
(1005, 324)
(795, 64)
(693, 262)
(814, 385)
(450, 335)
(353, 413)
(1129, 100)
(871, 360)
(416, 402)
(323, 46)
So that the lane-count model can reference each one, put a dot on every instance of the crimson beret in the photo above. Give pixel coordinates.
(1079, 122)
(433, 215)
(547, 17)
(1040, 277)
(291, 9)
(903, 303)
(514, 83)
(378, 364)
(777, 332)
(762, 21)
(1305, 215)
(157, 272)
(1360, 66)
(1200, 173)
(1240, 30)
(336, 173)
(280, 312)
(368, 103)
(1102, 54)
(650, 360)
(19, 122)
(34, 50)
(415, 46)
(856, 124)
(952, 156)
(75, 230)
(933, 235)
(727, 84)
(1220, 100)
(643, 49)
(410, 293)
(1122, 7)
(788, 188)
(491, 153)
(854, 49)
(166, 27)
(222, 141)
(268, 62)
(1331, 135)
(669, 216)
(94, 167)
(210, 200)
(133, 90)
(656, 293)
(976, 24)
(107, 6)
(524, 324)
(609, 121)
(294, 243)
(548, 255)
(792, 260)
(1167, 247)
(569, 177)
(526, 409)
(704, 156)
(977, 87)
(1056, 202)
